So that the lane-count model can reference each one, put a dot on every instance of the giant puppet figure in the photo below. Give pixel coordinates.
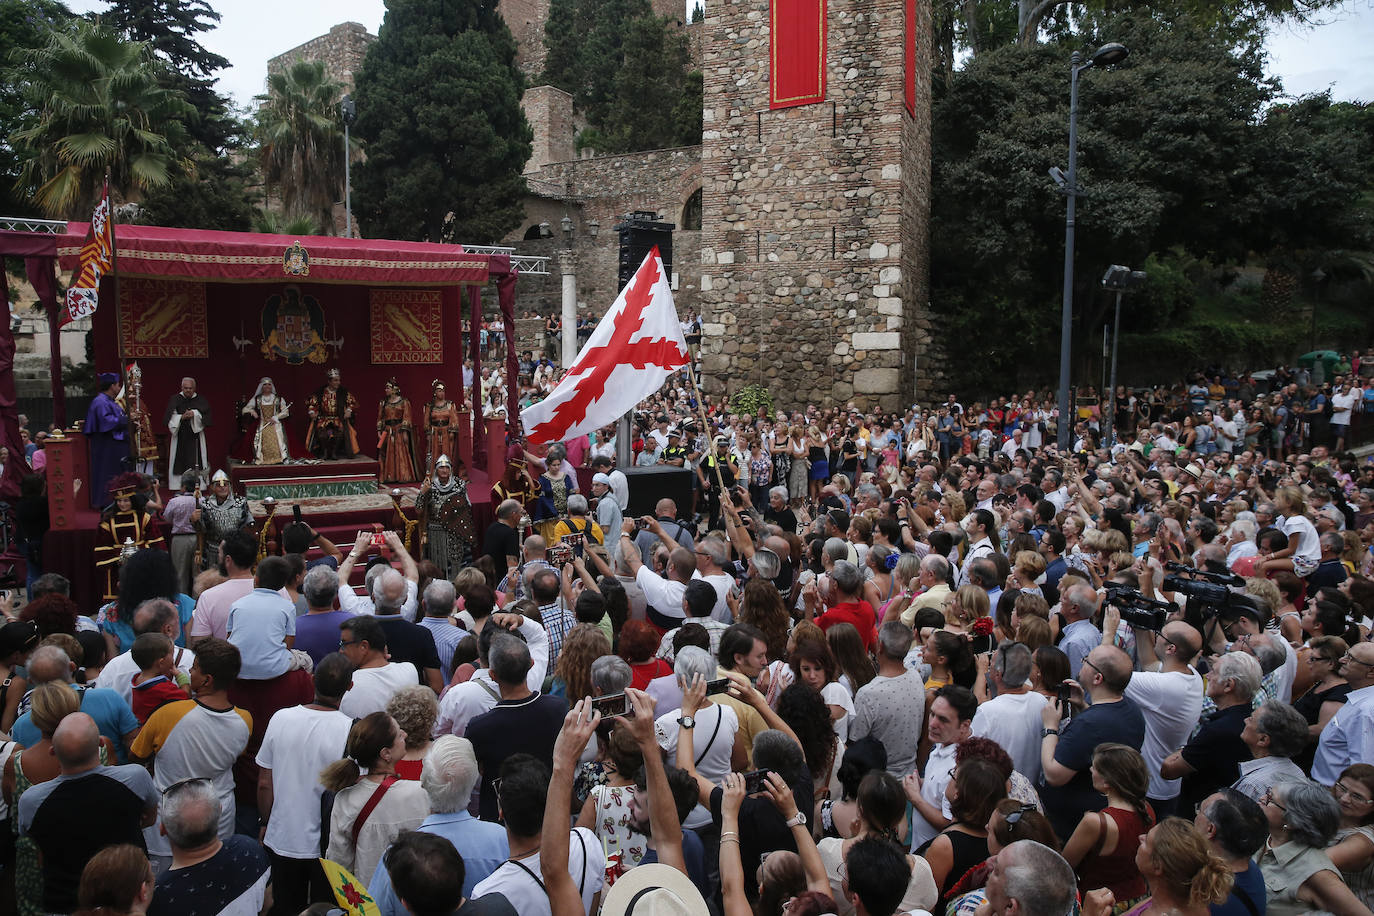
(187, 416)
(331, 409)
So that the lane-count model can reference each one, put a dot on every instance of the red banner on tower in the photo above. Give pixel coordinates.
(796, 53)
(909, 57)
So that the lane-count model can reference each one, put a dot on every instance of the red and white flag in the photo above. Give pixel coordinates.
(96, 259)
(633, 350)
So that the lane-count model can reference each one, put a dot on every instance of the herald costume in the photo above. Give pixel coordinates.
(117, 525)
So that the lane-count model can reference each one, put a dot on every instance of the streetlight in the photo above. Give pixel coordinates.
(568, 266)
(1123, 280)
(350, 114)
(1105, 56)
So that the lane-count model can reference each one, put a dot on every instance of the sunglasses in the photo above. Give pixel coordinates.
(1015, 816)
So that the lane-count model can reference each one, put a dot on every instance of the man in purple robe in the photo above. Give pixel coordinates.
(106, 430)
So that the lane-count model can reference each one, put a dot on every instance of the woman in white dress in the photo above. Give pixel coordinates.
(269, 439)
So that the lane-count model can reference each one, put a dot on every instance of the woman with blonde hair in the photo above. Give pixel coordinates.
(965, 606)
(1034, 632)
(952, 506)
(50, 703)
(880, 561)
(818, 461)
(415, 710)
(1185, 876)
(800, 469)
(1027, 566)
(357, 838)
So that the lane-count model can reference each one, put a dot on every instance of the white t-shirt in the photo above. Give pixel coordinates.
(1171, 702)
(837, 694)
(713, 740)
(299, 743)
(939, 771)
(373, 688)
(1309, 543)
(1284, 676)
(1341, 405)
(722, 583)
(523, 887)
(1013, 721)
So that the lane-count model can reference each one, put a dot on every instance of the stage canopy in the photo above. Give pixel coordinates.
(229, 308)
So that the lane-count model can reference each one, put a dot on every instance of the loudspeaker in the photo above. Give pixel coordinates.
(639, 233)
(649, 485)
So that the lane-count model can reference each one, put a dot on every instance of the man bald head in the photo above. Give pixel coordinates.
(76, 743)
(1184, 639)
(665, 508)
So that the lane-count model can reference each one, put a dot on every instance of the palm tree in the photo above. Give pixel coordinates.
(97, 105)
(301, 133)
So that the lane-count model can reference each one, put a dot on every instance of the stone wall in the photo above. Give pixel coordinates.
(603, 189)
(342, 49)
(813, 251)
(526, 19)
(549, 111)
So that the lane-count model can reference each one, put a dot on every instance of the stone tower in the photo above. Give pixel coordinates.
(815, 218)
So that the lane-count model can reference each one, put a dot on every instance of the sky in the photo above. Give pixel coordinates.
(1338, 54)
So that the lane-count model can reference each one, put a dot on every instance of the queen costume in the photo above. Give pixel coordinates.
(268, 409)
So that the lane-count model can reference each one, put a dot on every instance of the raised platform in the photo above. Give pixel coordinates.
(306, 480)
(338, 518)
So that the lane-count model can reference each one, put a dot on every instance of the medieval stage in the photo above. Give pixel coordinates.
(230, 309)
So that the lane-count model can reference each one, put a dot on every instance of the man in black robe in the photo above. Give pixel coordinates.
(187, 416)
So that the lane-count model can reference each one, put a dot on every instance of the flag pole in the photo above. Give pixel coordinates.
(114, 267)
(701, 411)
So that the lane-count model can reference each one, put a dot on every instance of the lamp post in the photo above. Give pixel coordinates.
(1123, 280)
(350, 114)
(1105, 56)
(567, 262)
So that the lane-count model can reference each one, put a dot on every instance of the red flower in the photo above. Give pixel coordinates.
(982, 626)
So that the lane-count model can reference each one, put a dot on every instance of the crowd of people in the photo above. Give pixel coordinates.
(922, 663)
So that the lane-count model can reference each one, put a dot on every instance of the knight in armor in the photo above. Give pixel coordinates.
(445, 515)
(331, 408)
(186, 418)
(221, 514)
(122, 523)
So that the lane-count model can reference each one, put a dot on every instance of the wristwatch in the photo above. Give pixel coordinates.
(796, 820)
(687, 722)
(1046, 732)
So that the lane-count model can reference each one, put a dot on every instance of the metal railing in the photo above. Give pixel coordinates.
(27, 224)
(524, 263)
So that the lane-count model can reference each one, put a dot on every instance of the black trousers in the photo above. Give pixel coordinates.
(296, 884)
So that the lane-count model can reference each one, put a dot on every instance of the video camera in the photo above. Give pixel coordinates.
(1137, 610)
(1209, 592)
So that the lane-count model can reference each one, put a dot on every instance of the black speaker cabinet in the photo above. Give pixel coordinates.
(649, 485)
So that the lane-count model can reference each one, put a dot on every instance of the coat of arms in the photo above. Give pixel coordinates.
(295, 261)
(293, 327)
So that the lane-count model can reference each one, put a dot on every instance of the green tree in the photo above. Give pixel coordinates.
(438, 102)
(216, 195)
(629, 73)
(97, 104)
(1176, 153)
(301, 135)
(655, 100)
(24, 26)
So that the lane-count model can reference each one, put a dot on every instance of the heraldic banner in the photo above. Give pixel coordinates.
(163, 319)
(796, 52)
(407, 326)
